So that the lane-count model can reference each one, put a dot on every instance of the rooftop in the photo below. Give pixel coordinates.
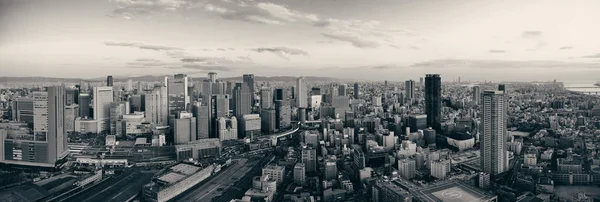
(453, 191)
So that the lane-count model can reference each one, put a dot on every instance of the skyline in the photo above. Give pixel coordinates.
(385, 39)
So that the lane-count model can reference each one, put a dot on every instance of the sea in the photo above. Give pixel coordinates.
(582, 87)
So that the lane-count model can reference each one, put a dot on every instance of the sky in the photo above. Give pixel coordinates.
(509, 40)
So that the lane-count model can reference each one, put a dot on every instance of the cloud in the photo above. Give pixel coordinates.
(355, 40)
(496, 51)
(566, 48)
(204, 67)
(146, 60)
(142, 46)
(597, 55)
(262, 13)
(130, 9)
(532, 34)
(282, 52)
(501, 64)
(221, 49)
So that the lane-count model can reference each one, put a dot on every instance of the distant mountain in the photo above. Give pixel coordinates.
(157, 78)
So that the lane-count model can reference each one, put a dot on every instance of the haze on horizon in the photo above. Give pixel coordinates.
(378, 39)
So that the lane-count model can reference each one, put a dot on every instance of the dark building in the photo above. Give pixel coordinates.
(429, 136)
(417, 122)
(356, 90)
(283, 114)
(249, 81)
(315, 91)
(268, 120)
(84, 105)
(72, 94)
(109, 81)
(280, 94)
(242, 99)
(433, 101)
(502, 87)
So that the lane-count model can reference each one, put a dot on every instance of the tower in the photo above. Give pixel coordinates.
(301, 97)
(409, 90)
(177, 88)
(477, 95)
(494, 159)
(433, 102)
(356, 90)
(109, 81)
(103, 97)
(242, 100)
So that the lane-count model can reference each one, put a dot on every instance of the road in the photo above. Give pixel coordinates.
(119, 188)
(223, 180)
(238, 190)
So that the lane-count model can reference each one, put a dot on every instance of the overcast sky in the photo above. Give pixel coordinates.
(367, 39)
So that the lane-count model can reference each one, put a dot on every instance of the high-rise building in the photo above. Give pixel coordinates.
(156, 106)
(109, 81)
(376, 101)
(84, 105)
(433, 100)
(103, 97)
(407, 168)
(309, 158)
(268, 120)
(417, 122)
(184, 128)
(72, 94)
(331, 171)
(274, 172)
(250, 125)
(248, 79)
(280, 94)
(220, 105)
(440, 168)
(203, 119)
(494, 159)
(48, 143)
(389, 192)
(242, 100)
(299, 173)
(266, 98)
(206, 91)
(356, 90)
(212, 76)
(227, 128)
(129, 85)
(477, 95)
(177, 89)
(409, 90)
(342, 89)
(283, 114)
(22, 110)
(117, 110)
(301, 93)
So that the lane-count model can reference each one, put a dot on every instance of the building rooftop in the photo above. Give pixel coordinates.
(185, 169)
(452, 191)
(171, 178)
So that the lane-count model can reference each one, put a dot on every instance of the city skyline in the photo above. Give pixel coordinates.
(393, 40)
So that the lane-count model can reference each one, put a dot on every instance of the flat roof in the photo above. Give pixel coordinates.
(171, 177)
(185, 169)
(453, 191)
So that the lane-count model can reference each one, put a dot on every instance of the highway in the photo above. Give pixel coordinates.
(119, 188)
(215, 185)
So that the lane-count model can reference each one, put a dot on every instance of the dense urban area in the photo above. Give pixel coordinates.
(298, 139)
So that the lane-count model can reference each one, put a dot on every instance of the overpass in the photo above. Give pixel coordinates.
(275, 137)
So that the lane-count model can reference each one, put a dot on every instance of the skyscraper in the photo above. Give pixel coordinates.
(177, 88)
(203, 119)
(301, 91)
(109, 81)
(220, 106)
(477, 95)
(309, 158)
(409, 90)
(84, 105)
(266, 98)
(342, 89)
(156, 106)
(356, 90)
(117, 110)
(494, 159)
(184, 128)
(103, 97)
(248, 79)
(242, 100)
(280, 94)
(129, 85)
(433, 102)
(283, 115)
(212, 77)
(206, 91)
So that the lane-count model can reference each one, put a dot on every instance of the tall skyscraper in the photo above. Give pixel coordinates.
(206, 91)
(342, 89)
(220, 106)
(117, 110)
(268, 120)
(433, 100)
(109, 81)
(203, 119)
(248, 79)
(309, 158)
(280, 94)
(103, 97)
(494, 159)
(129, 85)
(283, 115)
(177, 88)
(356, 90)
(242, 100)
(301, 91)
(156, 106)
(266, 98)
(409, 90)
(212, 77)
(84, 105)
(184, 128)
(477, 95)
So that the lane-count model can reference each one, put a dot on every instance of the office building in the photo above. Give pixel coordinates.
(22, 110)
(212, 77)
(248, 80)
(156, 106)
(389, 192)
(309, 158)
(409, 90)
(477, 95)
(206, 91)
(407, 168)
(220, 105)
(301, 93)
(227, 128)
(494, 159)
(242, 99)
(48, 143)
(71, 113)
(109, 81)
(376, 101)
(203, 120)
(299, 174)
(274, 172)
(84, 105)
(72, 94)
(184, 128)
(177, 89)
(174, 181)
(134, 125)
(429, 135)
(356, 90)
(268, 120)
(433, 100)
(251, 125)
(103, 97)
(199, 149)
(283, 114)
(280, 94)
(417, 122)
(117, 110)
(330, 169)
(440, 168)
(266, 98)
(342, 89)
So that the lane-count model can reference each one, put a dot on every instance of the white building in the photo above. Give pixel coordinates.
(406, 168)
(301, 93)
(103, 97)
(494, 159)
(184, 128)
(274, 172)
(440, 168)
(227, 128)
